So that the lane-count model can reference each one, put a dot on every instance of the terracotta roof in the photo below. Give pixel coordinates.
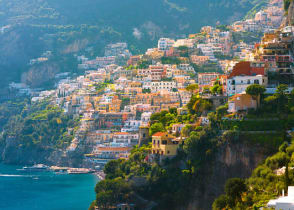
(121, 133)
(244, 68)
(160, 134)
(241, 68)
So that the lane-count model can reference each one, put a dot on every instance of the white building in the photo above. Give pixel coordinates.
(162, 85)
(238, 84)
(284, 202)
(145, 118)
(126, 138)
(165, 44)
(131, 126)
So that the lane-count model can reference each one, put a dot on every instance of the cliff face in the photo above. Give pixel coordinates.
(12, 153)
(232, 160)
(36, 76)
(290, 15)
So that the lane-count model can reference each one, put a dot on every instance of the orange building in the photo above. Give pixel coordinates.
(241, 102)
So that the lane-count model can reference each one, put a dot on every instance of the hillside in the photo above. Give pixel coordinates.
(67, 27)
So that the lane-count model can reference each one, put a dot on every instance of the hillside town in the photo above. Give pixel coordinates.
(114, 102)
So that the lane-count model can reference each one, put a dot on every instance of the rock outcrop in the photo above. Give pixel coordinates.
(232, 160)
(38, 75)
(289, 21)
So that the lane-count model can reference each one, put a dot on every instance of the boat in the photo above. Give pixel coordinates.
(36, 167)
(59, 170)
(79, 171)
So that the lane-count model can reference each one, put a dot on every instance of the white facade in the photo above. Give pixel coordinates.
(238, 84)
(162, 85)
(165, 44)
(284, 202)
(126, 138)
(145, 118)
(131, 126)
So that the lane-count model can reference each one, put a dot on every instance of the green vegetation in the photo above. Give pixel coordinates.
(66, 29)
(247, 37)
(221, 56)
(170, 60)
(10, 108)
(255, 91)
(144, 64)
(171, 182)
(210, 67)
(286, 5)
(264, 183)
(223, 27)
(40, 125)
(216, 88)
(184, 51)
(259, 5)
(198, 105)
(125, 102)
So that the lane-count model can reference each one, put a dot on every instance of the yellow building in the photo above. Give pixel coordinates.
(115, 105)
(164, 144)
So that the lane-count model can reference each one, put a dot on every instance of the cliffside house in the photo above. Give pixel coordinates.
(241, 102)
(164, 145)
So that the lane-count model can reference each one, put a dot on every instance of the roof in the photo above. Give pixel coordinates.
(121, 133)
(160, 134)
(244, 68)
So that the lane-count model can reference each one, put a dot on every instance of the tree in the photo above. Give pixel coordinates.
(156, 127)
(192, 88)
(234, 188)
(111, 192)
(282, 98)
(221, 111)
(220, 203)
(112, 169)
(202, 105)
(255, 90)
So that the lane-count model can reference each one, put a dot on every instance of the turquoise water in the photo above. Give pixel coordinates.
(44, 190)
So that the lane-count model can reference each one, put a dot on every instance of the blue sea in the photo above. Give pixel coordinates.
(44, 190)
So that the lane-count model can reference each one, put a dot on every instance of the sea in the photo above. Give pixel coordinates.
(21, 190)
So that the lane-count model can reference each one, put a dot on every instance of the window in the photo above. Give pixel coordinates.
(164, 142)
(256, 81)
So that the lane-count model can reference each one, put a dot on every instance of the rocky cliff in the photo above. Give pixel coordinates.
(232, 160)
(39, 75)
(289, 15)
(11, 152)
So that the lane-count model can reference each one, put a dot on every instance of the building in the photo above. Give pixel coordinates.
(238, 84)
(244, 74)
(199, 60)
(204, 79)
(164, 145)
(177, 128)
(162, 85)
(134, 60)
(241, 102)
(131, 126)
(283, 202)
(111, 152)
(125, 138)
(165, 44)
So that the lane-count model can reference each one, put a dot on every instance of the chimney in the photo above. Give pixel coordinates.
(283, 193)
